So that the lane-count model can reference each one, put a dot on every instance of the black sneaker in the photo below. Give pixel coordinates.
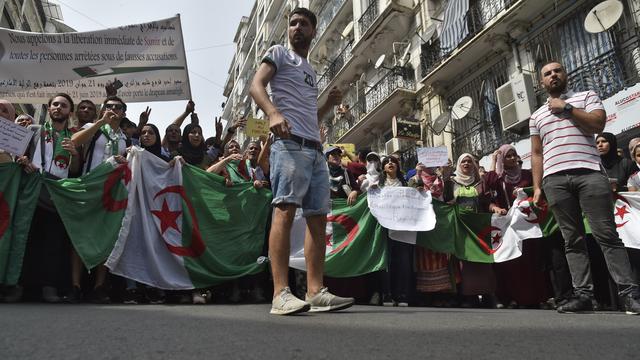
(13, 294)
(100, 295)
(577, 305)
(132, 297)
(154, 295)
(74, 296)
(632, 304)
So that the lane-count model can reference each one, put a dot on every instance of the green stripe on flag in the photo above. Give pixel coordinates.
(18, 199)
(358, 242)
(91, 208)
(231, 221)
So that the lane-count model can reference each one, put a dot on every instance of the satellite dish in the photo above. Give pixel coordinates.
(441, 122)
(603, 16)
(347, 29)
(429, 31)
(379, 61)
(461, 107)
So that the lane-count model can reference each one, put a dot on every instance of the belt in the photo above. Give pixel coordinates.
(304, 142)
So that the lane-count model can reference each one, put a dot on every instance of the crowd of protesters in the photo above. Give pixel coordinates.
(540, 278)
(553, 272)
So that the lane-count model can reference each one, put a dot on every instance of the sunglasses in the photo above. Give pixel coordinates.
(114, 106)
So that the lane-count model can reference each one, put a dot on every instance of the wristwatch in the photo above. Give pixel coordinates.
(568, 108)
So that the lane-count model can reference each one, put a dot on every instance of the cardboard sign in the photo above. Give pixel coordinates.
(256, 127)
(14, 138)
(349, 147)
(433, 156)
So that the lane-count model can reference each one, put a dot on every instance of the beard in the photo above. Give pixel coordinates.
(300, 42)
(59, 118)
(559, 87)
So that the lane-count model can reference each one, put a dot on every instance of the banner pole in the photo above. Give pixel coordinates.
(184, 53)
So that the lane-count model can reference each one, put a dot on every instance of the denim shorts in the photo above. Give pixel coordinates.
(300, 176)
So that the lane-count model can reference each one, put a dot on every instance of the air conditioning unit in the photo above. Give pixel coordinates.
(396, 144)
(517, 102)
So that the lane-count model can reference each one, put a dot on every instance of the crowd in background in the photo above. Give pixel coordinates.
(540, 278)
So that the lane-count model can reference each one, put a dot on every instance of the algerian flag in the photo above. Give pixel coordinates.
(91, 208)
(184, 229)
(18, 199)
(627, 217)
(482, 237)
(355, 242)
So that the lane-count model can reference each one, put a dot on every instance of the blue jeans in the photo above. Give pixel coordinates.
(299, 176)
(572, 193)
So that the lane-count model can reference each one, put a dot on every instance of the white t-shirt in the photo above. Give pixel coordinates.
(294, 91)
(99, 154)
(564, 145)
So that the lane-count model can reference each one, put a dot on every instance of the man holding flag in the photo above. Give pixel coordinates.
(566, 165)
(299, 174)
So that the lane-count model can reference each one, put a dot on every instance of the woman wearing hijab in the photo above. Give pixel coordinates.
(150, 140)
(617, 167)
(397, 281)
(470, 194)
(521, 281)
(435, 272)
(192, 149)
(634, 185)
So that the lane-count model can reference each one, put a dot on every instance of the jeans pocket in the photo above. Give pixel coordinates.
(288, 145)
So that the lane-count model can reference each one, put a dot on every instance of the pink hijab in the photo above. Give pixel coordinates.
(511, 176)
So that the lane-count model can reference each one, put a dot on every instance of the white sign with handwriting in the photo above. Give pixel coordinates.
(433, 156)
(402, 208)
(14, 138)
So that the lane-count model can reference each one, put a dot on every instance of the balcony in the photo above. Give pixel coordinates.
(380, 103)
(487, 22)
(331, 11)
(334, 68)
(378, 28)
(368, 17)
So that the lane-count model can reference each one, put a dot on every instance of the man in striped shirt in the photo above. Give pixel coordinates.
(566, 165)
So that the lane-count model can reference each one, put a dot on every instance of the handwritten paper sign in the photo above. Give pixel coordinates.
(14, 138)
(349, 147)
(402, 208)
(256, 127)
(433, 156)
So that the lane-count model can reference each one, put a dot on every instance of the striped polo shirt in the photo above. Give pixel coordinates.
(564, 145)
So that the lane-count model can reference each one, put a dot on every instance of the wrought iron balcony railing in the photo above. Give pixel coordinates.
(368, 17)
(480, 13)
(335, 66)
(325, 16)
(397, 78)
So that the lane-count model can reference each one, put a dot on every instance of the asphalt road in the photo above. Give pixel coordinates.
(36, 331)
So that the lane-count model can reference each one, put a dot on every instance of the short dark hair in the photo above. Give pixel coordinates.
(115, 98)
(66, 96)
(86, 101)
(306, 13)
(552, 61)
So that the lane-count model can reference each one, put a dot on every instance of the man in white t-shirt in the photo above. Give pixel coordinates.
(104, 137)
(298, 171)
(54, 155)
(566, 165)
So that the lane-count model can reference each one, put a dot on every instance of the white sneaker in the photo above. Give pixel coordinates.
(285, 303)
(326, 301)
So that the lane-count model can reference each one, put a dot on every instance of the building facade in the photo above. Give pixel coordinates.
(35, 16)
(413, 60)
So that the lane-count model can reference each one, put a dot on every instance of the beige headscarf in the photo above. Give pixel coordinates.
(463, 179)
